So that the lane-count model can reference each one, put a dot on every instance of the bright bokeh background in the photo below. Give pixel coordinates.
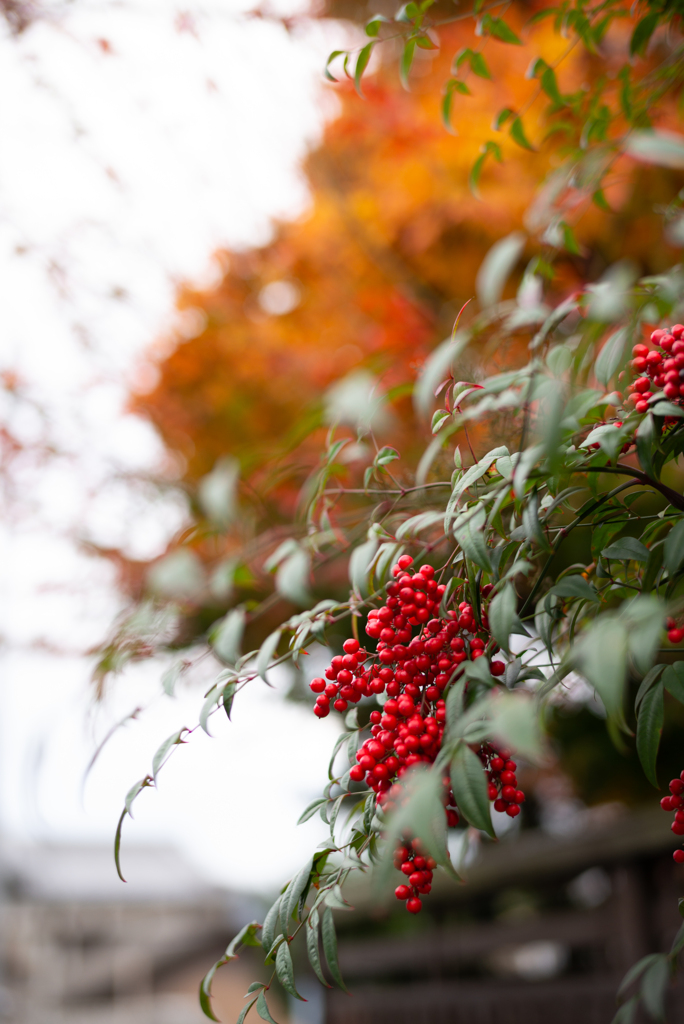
(139, 138)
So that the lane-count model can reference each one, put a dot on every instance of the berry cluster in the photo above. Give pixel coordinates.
(675, 633)
(662, 368)
(413, 671)
(418, 870)
(502, 780)
(675, 803)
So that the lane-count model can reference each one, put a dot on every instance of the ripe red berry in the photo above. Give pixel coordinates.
(678, 856)
(414, 905)
(402, 892)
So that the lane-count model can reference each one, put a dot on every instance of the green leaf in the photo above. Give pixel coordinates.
(498, 28)
(210, 703)
(549, 84)
(285, 970)
(476, 170)
(262, 1008)
(329, 940)
(611, 357)
(205, 992)
(373, 26)
(386, 455)
(326, 71)
(501, 118)
(469, 784)
(627, 549)
(311, 928)
(406, 62)
(292, 578)
(245, 1010)
(649, 730)
(569, 240)
(636, 970)
(266, 652)
(575, 586)
(646, 683)
(602, 657)
(471, 539)
(226, 636)
(227, 695)
(599, 199)
(627, 1013)
(437, 366)
(271, 922)
(673, 680)
(297, 887)
(171, 677)
(361, 65)
(654, 986)
(478, 65)
(117, 845)
(645, 437)
(502, 616)
(514, 719)
(311, 809)
(674, 548)
(643, 618)
(360, 563)
(642, 33)
(163, 751)
(678, 942)
(496, 268)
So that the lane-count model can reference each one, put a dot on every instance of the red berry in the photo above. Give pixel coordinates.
(512, 810)
(497, 668)
(402, 892)
(678, 856)
(414, 905)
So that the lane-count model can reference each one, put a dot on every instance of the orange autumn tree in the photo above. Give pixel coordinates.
(370, 279)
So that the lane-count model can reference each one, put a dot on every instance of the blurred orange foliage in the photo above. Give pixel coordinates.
(374, 273)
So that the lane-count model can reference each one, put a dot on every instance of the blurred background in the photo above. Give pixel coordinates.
(206, 251)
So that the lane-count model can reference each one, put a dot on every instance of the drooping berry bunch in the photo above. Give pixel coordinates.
(675, 803)
(502, 780)
(662, 368)
(418, 869)
(413, 671)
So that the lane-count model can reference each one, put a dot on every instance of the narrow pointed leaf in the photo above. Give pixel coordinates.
(649, 730)
(469, 784)
(262, 1008)
(329, 940)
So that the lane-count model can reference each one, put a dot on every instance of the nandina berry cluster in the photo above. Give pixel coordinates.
(675, 803)
(675, 633)
(502, 780)
(662, 368)
(418, 869)
(413, 671)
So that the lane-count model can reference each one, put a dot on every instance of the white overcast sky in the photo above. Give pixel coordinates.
(120, 174)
